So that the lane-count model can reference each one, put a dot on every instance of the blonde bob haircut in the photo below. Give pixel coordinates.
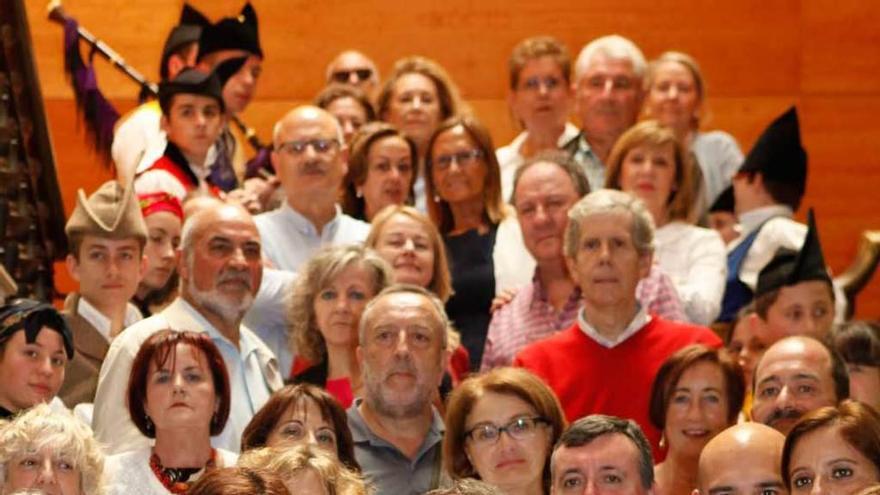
(289, 461)
(689, 63)
(318, 273)
(441, 281)
(43, 428)
(516, 382)
(493, 206)
(651, 134)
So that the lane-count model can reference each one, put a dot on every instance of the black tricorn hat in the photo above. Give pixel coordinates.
(232, 33)
(778, 153)
(188, 30)
(191, 81)
(789, 267)
(228, 68)
(724, 201)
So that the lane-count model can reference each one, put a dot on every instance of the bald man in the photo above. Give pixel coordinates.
(220, 271)
(742, 460)
(310, 158)
(795, 376)
(354, 68)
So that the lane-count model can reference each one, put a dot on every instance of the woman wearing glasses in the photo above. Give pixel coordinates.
(464, 201)
(500, 428)
(540, 101)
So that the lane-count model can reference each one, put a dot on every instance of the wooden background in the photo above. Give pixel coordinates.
(758, 57)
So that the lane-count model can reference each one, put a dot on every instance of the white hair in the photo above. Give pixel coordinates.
(612, 46)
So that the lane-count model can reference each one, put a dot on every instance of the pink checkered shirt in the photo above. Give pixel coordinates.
(530, 317)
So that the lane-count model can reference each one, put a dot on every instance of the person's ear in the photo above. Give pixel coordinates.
(645, 262)
(175, 64)
(72, 267)
(164, 124)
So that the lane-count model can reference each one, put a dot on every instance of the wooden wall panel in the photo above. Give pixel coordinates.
(758, 58)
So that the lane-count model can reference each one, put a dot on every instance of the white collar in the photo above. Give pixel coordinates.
(750, 220)
(640, 319)
(100, 321)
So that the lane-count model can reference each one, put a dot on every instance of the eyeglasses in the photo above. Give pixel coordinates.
(344, 76)
(298, 147)
(521, 428)
(462, 158)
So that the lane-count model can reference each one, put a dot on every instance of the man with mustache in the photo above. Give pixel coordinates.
(795, 376)
(608, 96)
(310, 157)
(220, 271)
(605, 362)
(397, 432)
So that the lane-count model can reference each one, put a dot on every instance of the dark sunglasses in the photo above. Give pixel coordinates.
(344, 76)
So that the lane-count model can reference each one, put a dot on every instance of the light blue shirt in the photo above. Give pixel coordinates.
(290, 239)
(719, 158)
(268, 315)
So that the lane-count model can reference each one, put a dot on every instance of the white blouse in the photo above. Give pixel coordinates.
(129, 473)
(696, 260)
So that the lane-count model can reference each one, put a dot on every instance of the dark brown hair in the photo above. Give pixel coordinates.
(670, 373)
(493, 205)
(858, 342)
(336, 91)
(266, 419)
(358, 166)
(159, 350)
(858, 424)
(238, 481)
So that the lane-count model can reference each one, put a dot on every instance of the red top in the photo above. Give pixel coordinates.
(591, 379)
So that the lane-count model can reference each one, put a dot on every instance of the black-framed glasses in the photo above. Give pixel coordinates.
(462, 158)
(299, 147)
(344, 76)
(521, 428)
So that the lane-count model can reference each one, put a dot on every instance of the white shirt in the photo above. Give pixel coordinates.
(290, 239)
(641, 319)
(696, 260)
(129, 473)
(268, 316)
(139, 137)
(252, 367)
(779, 231)
(510, 158)
(101, 322)
(157, 180)
(719, 158)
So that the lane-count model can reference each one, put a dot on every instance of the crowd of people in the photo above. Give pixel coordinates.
(386, 302)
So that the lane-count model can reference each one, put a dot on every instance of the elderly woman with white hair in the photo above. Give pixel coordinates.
(50, 451)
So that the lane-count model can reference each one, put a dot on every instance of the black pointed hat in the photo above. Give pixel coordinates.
(232, 33)
(229, 68)
(778, 153)
(724, 201)
(789, 267)
(32, 316)
(191, 81)
(188, 30)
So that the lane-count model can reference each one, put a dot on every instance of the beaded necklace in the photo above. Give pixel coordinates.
(176, 480)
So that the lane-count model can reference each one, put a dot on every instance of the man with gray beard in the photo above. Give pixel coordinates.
(397, 432)
(220, 271)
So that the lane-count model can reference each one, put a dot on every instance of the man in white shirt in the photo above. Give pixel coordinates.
(106, 233)
(220, 271)
(310, 157)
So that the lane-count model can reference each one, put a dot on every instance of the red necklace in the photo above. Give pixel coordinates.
(176, 480)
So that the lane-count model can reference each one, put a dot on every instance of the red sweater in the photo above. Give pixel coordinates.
(591, 379)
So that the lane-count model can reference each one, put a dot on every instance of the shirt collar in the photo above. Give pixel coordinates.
(361, 433)
(539, 294)
(750, 220)
(198, 321)
(641, 319)
(305, 226)
(101, 323)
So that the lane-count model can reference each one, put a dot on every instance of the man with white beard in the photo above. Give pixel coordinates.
(396, 431)
(220, 271)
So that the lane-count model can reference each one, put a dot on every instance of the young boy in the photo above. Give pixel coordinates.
(192, 118)
(795, 295)
(106, 233)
